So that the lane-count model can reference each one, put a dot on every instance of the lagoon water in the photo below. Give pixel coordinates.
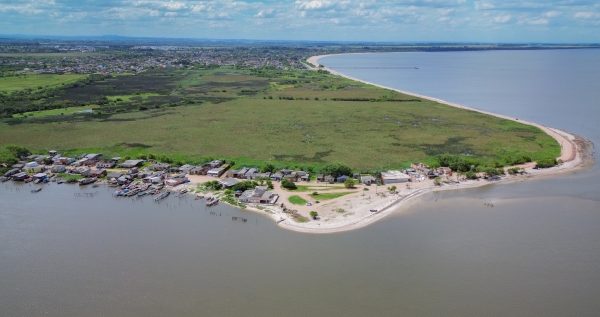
(67, 251)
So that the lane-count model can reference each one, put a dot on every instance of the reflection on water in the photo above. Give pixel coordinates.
(523, 249)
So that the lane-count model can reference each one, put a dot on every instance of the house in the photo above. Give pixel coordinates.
(329, 179)
(241, 173)
(320, 178)
(444, 171)
(58, 169)
(63, 160)
(106, 164)
(215, 163)
(259, 195)
(185, 168)
(12, 172)
(176, 180)
(114, 175)
(368, 179)
(132, 163)
(160, 166)
(125, 179)
(98, 173)
(286, 172)
(276, 176)
(250, 173)
(265, 175)
(229, 182)
(20, 176)
(394, 177)
(303, 176)
(342, 178)
(89, 159)
(82, 170)
(40, 177)
(217, 172)
(199, 170)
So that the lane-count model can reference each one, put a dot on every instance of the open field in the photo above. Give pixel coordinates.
(292, 118)
(36, 81)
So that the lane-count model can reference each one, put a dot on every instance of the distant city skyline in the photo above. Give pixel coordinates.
(572, 21)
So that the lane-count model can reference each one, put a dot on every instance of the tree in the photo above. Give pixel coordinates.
(287, 184)
(336, 170)
(314, 215)
(269, 168)
(349, 183)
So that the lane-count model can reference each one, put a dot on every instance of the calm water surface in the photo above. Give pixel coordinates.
(68, 251)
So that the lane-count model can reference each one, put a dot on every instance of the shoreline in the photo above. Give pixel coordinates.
(574, 156)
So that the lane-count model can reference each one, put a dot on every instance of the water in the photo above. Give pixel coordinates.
(536, 252)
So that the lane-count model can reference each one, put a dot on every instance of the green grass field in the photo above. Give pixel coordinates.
(329, 196)
(297, 200)
(295, 118)
(36, 81)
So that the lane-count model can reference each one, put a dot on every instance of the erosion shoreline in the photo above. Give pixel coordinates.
(574, 155)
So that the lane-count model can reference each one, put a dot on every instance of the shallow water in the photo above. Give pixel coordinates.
(523, 249)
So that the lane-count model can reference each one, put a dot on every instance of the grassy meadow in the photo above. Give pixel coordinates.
(36, 81)
(286, 118)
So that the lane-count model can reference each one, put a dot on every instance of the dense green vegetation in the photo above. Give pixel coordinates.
(265, 118)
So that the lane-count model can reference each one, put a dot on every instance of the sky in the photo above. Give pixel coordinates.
(497, 21)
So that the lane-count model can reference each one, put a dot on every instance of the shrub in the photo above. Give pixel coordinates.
(314, 215)
(349, 183)
(287, 184)
(546, 163)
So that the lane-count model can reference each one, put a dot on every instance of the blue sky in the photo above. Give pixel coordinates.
(361, 20)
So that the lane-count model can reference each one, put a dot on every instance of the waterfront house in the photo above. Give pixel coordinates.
(259, 195)
(106, 164)
(394, 177)
(185, 168)
(20, 176)
(229, 182)
(132, 163)
(176, 180)
(58, 169)
(160, 167)
(40, 177)
(12, 172)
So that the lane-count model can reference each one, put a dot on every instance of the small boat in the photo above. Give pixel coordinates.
(142, 193)
(36, 190)
(87, 181)
(162, 196)
(212, 201)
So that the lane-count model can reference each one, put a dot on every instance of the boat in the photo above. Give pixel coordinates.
(162, 196)
(142, 193)
(36, 190)
(212, 201)
(87, 181)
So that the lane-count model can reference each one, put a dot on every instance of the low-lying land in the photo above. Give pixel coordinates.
(294, 118)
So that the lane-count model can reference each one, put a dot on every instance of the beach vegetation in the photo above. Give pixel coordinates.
(297, 200)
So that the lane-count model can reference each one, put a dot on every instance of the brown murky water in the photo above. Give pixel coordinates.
(522, 249)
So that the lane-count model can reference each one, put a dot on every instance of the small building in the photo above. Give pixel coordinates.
(217, 172)
(215, 163)
(40, 177)
(58, 169)
(302, 176)
(265, 175)
(176, 180)
(20, 176)
(106, 164)
(229, 182)
(342, 178)
(259, 195)
(250, 173)
(185, 168)
(132, 163)
(329, 179)
(160, 166)
(277, 176)
(394, 177)
(98, 173)
(199, 170)
(368, 180)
